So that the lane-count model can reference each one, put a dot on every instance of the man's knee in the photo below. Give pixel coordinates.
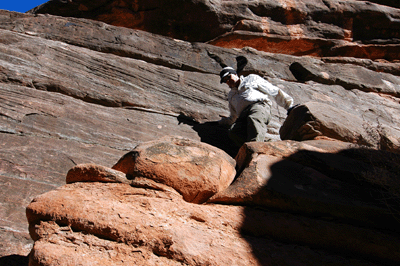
(257, 122)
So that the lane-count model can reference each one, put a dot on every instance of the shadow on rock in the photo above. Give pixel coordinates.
(323, 201)
(212, 133)
(14, 260)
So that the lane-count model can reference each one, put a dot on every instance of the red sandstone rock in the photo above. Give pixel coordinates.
(93, 223)
(151, 227)
(194, 169)
(94, 173)
(98, 173)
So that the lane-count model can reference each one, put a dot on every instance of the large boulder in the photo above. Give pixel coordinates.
(196, 170)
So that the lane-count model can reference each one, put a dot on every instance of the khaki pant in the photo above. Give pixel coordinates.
(251, 124)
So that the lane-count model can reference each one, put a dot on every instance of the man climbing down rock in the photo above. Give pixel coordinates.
(250, 106)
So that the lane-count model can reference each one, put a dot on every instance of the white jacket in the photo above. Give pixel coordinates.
(253, 88)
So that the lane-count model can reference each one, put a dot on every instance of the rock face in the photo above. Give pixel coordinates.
(98, 218)
(78, 94)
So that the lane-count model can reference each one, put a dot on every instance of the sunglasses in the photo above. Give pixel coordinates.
(225, 79)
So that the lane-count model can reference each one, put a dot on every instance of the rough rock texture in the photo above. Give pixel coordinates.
(82, 93)
(96, 223)
(196, 170)
(298, 27)
(136, 91)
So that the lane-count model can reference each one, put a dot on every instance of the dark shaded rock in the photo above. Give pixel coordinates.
(198, 21)
(301, 27)
(319, 178)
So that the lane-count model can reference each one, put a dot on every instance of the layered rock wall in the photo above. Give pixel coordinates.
(358, 29)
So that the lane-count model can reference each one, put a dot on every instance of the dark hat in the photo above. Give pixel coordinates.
(226, 71)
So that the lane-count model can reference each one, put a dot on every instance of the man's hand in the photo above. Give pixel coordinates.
(224, 121)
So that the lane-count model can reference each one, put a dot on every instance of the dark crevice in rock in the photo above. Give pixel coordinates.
(8, 132)
(300, 72)
(147, 110)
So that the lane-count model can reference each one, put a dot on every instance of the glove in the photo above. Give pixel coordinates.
(291, 108)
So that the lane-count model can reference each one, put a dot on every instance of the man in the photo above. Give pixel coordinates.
(250, 106)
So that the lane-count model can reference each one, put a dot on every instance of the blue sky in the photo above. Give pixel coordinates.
(20, 5)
